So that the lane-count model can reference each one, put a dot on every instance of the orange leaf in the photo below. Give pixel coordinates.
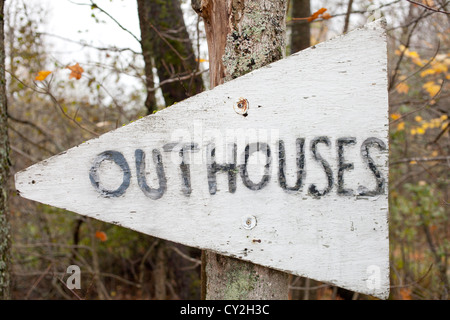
(402, 88)
(326, 16)
(405, 293)
(76, 71)
(42, 75)
(316, 14)
(101, 236)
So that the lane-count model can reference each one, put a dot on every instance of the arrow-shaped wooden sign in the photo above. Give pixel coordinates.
(286, 167)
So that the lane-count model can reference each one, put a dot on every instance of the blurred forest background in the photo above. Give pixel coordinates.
(55, 104)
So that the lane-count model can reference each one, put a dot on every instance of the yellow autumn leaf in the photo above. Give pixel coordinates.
(427, 72)
(401, 126)
(42, 75)
(440, 67)
(413, 54)
(413, 132)
(432, 88)
(420, 131)
(402, 88)
(418, 118)
(418, 61)
(395, 116)
(443, 117)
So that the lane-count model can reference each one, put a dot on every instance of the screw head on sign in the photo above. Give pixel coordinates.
(241, 106)
(248, 222)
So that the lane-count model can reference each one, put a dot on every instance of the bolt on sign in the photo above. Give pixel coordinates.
(286, 167)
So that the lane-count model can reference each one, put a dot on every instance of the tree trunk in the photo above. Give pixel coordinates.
(4, 171)
(165, 41)
(242, 36)
(160, 272)
(300, 31)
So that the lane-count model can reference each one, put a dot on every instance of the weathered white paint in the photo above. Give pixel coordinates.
(336, 89)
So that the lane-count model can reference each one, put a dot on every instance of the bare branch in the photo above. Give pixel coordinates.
(421, 159)
(427, 7)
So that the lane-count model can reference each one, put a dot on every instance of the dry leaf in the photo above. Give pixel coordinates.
(316, 14)
(42, 75)
(101, 236)
(402, 88)
(405, 293)
(401, 126)
(76, 71)
(432, 88)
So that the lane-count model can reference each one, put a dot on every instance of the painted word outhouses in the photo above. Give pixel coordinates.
(233, 169)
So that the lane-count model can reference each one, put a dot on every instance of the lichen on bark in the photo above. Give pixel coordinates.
(242, 35)
(257, 36)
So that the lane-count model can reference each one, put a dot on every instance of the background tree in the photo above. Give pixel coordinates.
(167, 47)
(300, 28)
(4, 172)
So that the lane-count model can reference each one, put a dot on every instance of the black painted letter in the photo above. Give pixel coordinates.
(213, 168)
(152, 193)
(118, 159)
(184, 167)
(342, 166)
(250, 149)
(328, 172)
(380, 182)
(300, 162)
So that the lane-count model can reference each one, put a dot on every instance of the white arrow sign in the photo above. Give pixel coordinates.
(286, 167)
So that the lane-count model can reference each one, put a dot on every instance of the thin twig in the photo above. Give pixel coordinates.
(440, 134)
(37, 281)
(84, 44)
(422, 67)
(421, 159)
(419, 109)
(427, 7)
(402, 54)
(74, 293)
(93, 5)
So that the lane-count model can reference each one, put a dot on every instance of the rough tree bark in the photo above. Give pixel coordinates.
(300, 30)
(165, 41)
(242, 36)
(166, 46)
(4, 170)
